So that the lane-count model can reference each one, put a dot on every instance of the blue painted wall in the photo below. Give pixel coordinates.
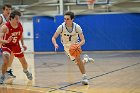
(44, 28)
(102, 31)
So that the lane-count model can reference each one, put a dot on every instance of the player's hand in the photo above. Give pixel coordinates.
(24, 47)
(79, 45)
(56, 46)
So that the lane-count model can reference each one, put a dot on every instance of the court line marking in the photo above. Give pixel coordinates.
(62, 88)
(55, 89)
(51, 88)
(119, 69)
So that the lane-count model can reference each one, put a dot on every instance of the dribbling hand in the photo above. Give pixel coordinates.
(56, 46)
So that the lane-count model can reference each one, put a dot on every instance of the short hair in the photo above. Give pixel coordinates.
(14, 13)
(71, 14)
(6, 5)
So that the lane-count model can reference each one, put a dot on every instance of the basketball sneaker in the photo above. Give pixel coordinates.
(10, 73)
(84, 80)
(2, 78)
(88, 59)
(28, 74)
(6, 79)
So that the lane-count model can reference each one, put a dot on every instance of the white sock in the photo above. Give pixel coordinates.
(25, 70)
(84, 75)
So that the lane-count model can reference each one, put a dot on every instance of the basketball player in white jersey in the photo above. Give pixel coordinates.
(70, 33)
(4, 17)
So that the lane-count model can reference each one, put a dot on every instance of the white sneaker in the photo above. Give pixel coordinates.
(88, 59)
(84, 80)
(2, 78)
(28, 74)
(91, 60)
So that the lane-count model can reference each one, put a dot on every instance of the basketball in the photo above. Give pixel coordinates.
(75, 50)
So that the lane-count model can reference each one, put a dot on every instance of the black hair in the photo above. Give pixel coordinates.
(6, 5)
(14, 13)
(71, 14)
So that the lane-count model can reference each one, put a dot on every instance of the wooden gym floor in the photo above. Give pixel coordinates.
(112, 72)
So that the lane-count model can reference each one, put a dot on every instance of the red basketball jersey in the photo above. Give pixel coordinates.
(13, 35)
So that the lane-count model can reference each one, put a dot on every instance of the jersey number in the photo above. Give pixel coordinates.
(14, 39)
(70, 37)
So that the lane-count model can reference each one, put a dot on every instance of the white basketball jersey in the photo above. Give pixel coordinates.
(3, 18)
(3, 22)
(69, 37)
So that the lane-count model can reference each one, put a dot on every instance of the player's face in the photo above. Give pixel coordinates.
(68, 20)
(7, 11)
(16, 19)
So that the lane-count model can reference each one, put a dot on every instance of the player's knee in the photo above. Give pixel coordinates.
(78, 58)
(79, 61)
(6, 55)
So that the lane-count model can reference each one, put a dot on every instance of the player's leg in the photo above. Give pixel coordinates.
(6, 58)
(9, 69)
(66, 49)
(25, 67)
(19, 54)
(79, 63)
(81, 66)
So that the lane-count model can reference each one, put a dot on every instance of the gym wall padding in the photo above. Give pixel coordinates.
(101, 31)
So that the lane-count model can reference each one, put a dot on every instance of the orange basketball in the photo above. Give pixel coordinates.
(75, 50)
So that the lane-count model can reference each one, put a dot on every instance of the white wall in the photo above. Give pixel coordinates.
(28, 33)
(27, 27)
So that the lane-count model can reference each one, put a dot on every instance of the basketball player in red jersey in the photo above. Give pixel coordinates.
(4, 17)
(12, 33)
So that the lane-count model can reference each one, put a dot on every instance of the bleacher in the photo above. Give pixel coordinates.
(57, 7)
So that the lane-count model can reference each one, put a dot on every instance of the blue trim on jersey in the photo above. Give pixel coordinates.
(70, 31)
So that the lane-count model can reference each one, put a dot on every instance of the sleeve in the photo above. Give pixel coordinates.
(20, 24)
(1, 21)
(59, 29)
(78, 29)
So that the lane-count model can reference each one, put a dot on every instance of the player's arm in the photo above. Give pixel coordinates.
(82, 39)
(22, 39)
(1, 21)
(54, 39)
(80, 32)
(3, 30)
(22, 43)
(56, 34)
